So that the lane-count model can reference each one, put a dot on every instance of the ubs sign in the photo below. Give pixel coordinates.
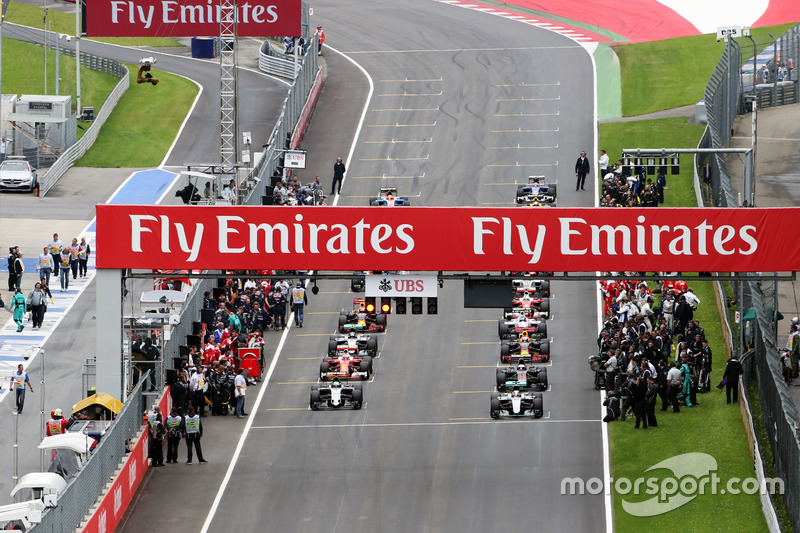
(396, 285)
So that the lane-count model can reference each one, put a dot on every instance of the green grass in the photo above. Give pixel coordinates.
(65, 23)
(713, 427)
(144, 123)
(23, 73)
(674, 72)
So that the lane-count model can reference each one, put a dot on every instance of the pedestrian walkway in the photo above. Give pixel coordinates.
(146, 187)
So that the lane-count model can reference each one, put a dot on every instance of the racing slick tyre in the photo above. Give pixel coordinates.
(323, 370)
(315, 400)
(406, 201)
(368, 359)
(502, 328)
(358, 399)
(505, 351)
(521, 190)
(538, 407)
(374, 201)
(342, 322)
(542, 378)
(507, 310)
(494, 410)
(544, 346)
(363, 366)
(372, 345)
(358, 386)
(226, 395)
(332, 348)
(501, 380)
(545, 287)
(545, 306)
(380, 321)
(542, 330)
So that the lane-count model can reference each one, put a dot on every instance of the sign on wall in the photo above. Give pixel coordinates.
(189, 18)
(468, 239)
(398, 285)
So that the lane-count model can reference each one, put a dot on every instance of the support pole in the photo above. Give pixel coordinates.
(109, 332)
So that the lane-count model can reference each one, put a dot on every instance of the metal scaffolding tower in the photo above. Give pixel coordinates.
(228, 82)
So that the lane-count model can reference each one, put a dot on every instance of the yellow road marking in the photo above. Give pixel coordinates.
(313, 334)
(477, 366)
(341, 292)
(497, 203)
(471, 391)
(484, 418)
(288, 409)
(297, 382)
(483, 320)
(503, 183)
(482, 342)
(322, 312)
(302, 358)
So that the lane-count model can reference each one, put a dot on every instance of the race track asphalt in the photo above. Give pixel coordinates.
(463, 105)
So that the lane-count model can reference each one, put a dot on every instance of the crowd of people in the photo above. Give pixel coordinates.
(289, 190)
(56, 260)
(626, 186)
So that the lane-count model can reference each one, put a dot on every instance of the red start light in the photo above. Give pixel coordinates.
(370, 308)
(385, 308)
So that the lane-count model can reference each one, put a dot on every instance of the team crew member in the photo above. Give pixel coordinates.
(18, 306)
(193, 429)
(299, 301)
(18, 381)
(241, 389)
(55, 250)
(45, 265)
(57, 425)
(174, 429)
(581, 169)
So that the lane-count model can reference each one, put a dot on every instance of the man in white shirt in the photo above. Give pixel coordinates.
(674, 382)
(241, 389)
(603, 163)
(691, 299)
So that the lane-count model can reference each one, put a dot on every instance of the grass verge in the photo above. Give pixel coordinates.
(674, 72)
(143, 125)
(713, 427)
(23, 73)
(61, 22)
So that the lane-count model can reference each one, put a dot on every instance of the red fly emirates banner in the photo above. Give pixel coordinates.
(189, 18)
(447, 238)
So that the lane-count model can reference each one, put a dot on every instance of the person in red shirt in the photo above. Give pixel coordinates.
(321, 35)
(57, 425)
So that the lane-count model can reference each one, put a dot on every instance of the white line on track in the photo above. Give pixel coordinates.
(423, 424)
(249, 425)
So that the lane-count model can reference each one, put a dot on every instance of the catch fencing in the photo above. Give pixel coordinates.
(258, 180)
(83, 491)
(76, 151)
(731, 90)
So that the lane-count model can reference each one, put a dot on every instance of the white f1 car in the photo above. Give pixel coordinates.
(336, 395)
(516, 403)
